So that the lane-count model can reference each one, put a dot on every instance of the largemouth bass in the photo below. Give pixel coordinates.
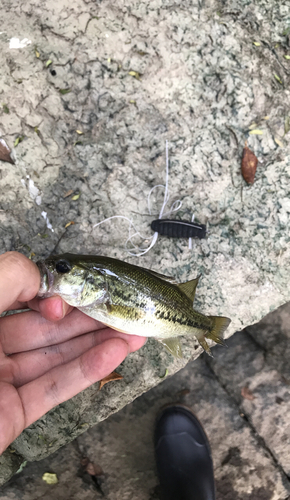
(130, 299)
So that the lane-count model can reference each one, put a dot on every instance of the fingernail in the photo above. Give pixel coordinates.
(58, 308)
(65, 307)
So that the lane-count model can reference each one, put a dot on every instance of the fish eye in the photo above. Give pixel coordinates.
(62, 266)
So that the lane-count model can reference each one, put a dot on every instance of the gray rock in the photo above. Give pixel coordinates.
(203, 85)
(258, 381)
(122, 448)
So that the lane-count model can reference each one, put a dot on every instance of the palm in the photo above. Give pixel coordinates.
(43, 363)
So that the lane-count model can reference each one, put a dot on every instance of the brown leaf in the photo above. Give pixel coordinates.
(247, 394)
(68, 193)
(5, 152)
(94, 469)
(249, 165)
(110, 378)
(182, 393)
(91, 468)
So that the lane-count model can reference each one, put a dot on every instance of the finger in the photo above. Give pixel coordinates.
(17, 306)
(29, 330)
(27, 366)
(52, 309)
(12, 417)
(64, 382)
(20, 279)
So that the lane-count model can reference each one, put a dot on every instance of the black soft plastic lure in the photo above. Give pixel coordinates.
(179, 228)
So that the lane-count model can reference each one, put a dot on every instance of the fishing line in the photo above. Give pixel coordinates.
(190, 239)
(136, 250)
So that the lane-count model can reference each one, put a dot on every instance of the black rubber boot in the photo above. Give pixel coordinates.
(183, 456)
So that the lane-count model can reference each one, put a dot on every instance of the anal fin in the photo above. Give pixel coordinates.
(205, 346)
(173, 346)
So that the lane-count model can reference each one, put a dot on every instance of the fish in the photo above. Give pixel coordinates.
(130, 299)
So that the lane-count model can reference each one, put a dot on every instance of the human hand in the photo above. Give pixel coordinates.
(48, 354)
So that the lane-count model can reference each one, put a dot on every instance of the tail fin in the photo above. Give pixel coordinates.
(220, 324)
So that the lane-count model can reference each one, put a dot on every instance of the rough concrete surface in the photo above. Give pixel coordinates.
(249, 437)
(88, 102)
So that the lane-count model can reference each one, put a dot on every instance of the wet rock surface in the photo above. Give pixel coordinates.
(88, 100)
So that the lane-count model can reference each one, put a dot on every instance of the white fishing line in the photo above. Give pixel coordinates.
(190, 239)
(136, 250)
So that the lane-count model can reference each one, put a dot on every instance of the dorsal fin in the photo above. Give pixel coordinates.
(189, 288)
(170, 279)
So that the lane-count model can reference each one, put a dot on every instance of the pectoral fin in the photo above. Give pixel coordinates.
(173, 346)
(189, 288)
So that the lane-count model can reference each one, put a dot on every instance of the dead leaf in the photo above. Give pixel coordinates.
(79, 132)
(5, 152)
(286, 125)
(249, 165)
(18, 140)
(280, 143)
(278, 78)
(75, 197)
(64, 91)
(252, 126)
(50, 478)
(256, 132)
(165, 374)
(110, 378)
(70, 223)
(182, 393)
(94, 469)
(68, 193)
(135, 74)
(247, 394)
(91, 468)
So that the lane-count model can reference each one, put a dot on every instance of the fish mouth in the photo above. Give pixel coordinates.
(46, 281)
